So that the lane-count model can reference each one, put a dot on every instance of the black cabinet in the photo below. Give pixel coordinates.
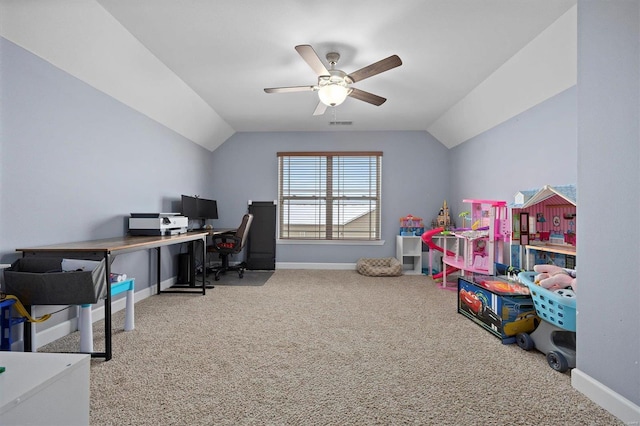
(261, 243)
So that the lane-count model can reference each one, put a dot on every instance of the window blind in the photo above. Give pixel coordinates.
(329, 195)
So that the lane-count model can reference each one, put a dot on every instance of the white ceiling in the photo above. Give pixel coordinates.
(227, 51)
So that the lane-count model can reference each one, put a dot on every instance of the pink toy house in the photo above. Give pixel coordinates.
(476, 248)
(544, 220)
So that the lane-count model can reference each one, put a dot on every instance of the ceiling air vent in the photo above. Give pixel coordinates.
(340, 123)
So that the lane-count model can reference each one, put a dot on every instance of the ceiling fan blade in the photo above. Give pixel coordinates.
(361, 95)
(289, 89)
(376, 68)
(311, 57)
(320, 109)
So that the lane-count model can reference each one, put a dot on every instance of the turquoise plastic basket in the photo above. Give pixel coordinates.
(550, 306)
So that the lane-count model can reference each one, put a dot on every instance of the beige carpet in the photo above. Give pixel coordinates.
(322, 348)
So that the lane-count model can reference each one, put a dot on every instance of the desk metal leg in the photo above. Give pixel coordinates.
(30, 344)
(158, 263)
(204, 265)
(29, 333)
(107, 354)
(107, 309)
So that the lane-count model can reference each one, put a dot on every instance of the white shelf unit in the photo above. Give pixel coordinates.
(409, 253)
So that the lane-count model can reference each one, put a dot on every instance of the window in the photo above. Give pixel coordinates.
(329, 195)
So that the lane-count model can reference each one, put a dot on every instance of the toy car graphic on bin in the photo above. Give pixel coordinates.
(471, 301)
(526, 322)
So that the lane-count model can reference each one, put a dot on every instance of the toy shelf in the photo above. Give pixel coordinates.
(568, 251)
(409, 248)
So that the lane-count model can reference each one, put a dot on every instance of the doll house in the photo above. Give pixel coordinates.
(544, 227)
(477, 248)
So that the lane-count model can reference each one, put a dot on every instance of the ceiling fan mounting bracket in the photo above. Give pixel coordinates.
(333, 58)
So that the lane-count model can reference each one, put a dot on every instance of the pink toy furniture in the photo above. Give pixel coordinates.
(478, 247)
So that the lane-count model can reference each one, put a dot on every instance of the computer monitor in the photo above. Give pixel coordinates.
(190, 207)
(199, 208)
(207, 209)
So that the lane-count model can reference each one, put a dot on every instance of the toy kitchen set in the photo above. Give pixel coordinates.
(158, 224)
(544, 227)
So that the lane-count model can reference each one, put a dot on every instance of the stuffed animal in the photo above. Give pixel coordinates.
(553, 277)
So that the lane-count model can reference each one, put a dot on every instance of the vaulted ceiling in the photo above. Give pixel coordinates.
(200, 67)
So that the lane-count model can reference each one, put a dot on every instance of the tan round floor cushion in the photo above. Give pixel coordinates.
(379, 267)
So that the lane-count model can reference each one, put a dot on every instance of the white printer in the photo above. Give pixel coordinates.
(157, 224)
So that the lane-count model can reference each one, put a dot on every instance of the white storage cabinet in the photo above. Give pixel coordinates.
(409, 253)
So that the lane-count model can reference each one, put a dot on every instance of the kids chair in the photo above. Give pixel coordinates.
(230, 243)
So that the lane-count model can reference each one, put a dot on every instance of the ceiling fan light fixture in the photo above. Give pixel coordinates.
(333, 94)
(333, 90)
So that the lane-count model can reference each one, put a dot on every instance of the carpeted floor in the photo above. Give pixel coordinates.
(322, 348)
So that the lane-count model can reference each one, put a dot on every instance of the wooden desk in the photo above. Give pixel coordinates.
(107, 249)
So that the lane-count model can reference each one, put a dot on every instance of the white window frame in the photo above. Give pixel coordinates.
(317, 204)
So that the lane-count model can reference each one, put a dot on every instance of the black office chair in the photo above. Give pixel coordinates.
(228, 244)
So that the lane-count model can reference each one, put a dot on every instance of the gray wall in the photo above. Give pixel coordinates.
(414, 170)
(609, 194)
(75, 163)
(536, 148)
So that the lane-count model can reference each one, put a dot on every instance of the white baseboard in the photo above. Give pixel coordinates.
(65, 328)
(297, 265)
(611, 401)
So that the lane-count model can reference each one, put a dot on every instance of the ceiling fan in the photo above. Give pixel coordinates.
(335, 85)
